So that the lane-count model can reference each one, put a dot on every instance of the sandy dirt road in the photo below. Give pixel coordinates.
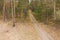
(44, 35)
(46, 32)
(24, 31)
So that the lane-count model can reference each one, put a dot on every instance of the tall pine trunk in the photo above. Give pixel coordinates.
(54, 9)
(13, 11)
(3, 11)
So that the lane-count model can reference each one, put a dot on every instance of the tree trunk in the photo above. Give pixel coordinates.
(13, 11)
(4, 11)
(54, 9)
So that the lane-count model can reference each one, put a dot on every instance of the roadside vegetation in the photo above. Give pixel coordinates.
(44, 11)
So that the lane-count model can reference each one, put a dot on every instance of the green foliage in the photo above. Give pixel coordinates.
(22, 4)
(58, 15)
(58, 4)
(42, 10)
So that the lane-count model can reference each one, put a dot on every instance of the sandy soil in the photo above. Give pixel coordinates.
(21, 31)
(28, 31)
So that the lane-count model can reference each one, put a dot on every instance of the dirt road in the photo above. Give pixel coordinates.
(24, 31)
(44, 35)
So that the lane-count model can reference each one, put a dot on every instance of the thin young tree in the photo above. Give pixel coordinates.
(3, 10)
(13, 11)
(54, 9)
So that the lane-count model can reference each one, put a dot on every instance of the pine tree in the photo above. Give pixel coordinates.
(4, 11)
(13, 11)
(54, 9)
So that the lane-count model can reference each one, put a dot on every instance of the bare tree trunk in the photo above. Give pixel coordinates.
(4, 11)
(13, 11)
(54, 9)
(7, 12)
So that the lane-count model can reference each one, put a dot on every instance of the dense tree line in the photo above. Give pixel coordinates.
(42, 9)
(45, 9)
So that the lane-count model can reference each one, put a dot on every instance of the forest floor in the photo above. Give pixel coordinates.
(28, 31)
